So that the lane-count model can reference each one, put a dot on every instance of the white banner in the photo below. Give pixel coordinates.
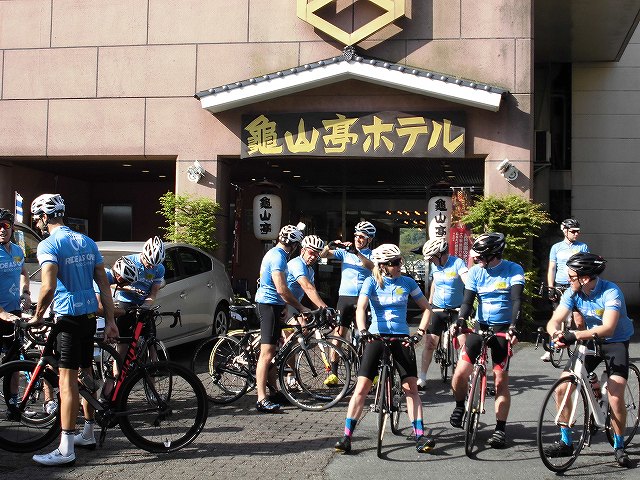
(439, 217)
(267, 215)
(19, 214)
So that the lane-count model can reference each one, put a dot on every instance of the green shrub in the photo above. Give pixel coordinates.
(190, 220)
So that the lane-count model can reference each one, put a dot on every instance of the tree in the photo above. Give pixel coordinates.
(190, 220)
(520, 220)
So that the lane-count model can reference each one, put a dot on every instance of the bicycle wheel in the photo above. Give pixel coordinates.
(564, 406)
(631, 400)
(383, 406)
(309, 363)
(352, 357)
(27, 427)
(474, 409)
(155, 351)
(453, 353)
(397, 401)
(442, 357)
(107, 365)
(223, 368)
(559, 357)
(168, 419)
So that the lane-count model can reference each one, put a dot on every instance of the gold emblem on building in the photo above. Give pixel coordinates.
(307, 11)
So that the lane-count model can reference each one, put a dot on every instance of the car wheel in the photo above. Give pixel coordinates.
(221, 321)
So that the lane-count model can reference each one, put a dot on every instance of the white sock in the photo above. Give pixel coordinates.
(87, 431)
(66, 442)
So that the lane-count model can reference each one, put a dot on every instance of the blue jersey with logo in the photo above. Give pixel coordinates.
(389, 304)
(298, 268)
(275, 260)
(147, 277)
(604, 296)
(353, 271)
(493, 287)
(448, 287)
(76, 256)
(560, 253)
(11, 263)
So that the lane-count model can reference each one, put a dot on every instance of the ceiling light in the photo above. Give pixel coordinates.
(275, 165)
(162, 176)
(296, 176)
(286, 171)
(126, 165)
(380, 181)
(145, 171)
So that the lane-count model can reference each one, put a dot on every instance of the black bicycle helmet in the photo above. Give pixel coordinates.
(586, 264)
(6, 215)
(489, 244)
(570, 224)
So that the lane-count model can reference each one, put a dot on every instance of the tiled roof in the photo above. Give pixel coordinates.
(351, 65)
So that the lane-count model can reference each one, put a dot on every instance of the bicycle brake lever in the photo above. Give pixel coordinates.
(177, 318)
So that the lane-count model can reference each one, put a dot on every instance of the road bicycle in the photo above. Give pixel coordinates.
(389, 396)
(303, 362)
(477, 393)
(160, 406)
(575, 403)
(445, 353)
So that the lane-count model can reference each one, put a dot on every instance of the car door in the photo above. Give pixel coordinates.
(189, 277)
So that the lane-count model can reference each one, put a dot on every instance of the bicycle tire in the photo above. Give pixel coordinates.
(161, 352)
(310, 366)
(474, 409)
(453, 353)
(33, 429)
(383, 407)
(352, 357)
(172, 417)
(396, 402)
(443, 357)
(548, 431)
(223, 368)
(632, 403)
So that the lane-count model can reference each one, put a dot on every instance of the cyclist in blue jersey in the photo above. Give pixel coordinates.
(271, 298)
(603, 307)
(448, 274)
(70, 263)
(557, 271)
(498, 285)
(387, 292)
(300, 276)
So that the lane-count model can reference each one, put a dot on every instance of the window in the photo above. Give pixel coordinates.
(193, 262)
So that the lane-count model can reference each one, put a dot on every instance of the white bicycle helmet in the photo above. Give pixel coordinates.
(385, 253)
(290, 234)
(434, 247)
(313, 242)
(125, 267)
(366, 228)
(153, 251)
(50, 203)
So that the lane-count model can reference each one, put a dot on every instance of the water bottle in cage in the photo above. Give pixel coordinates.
(595, 385)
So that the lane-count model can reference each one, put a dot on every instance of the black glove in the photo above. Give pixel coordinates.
(352, 248)
(365, 336)
(568, 338)
(415, 338)
(460, 323)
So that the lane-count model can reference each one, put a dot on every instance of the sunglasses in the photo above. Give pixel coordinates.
(5, 225)
(574, 231)
(393, 263)
(363, 237)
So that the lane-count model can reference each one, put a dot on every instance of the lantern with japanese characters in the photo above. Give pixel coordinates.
(267, 216)
(439, 217)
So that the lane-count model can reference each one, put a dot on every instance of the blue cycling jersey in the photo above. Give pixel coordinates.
(493, 287)
(76, 256)
(389, 304)
(297, 268)
(560, 253)
(448, 287)
(147, 277)
(604, 296)
(352, 270)
(11, 263)
(275, 260)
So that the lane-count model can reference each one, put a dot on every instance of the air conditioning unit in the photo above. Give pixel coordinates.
(542, 147)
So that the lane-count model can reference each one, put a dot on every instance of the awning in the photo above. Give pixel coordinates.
(351, 66)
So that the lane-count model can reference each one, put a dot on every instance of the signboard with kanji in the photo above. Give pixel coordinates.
(380, 134)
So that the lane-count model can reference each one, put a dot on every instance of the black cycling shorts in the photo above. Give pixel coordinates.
(405, 359)
(439, 319)
(270, 323)
(74, 340)
(497, 345)
(347, 308)
(617, 356)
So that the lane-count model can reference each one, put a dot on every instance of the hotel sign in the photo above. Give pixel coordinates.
(380, 134)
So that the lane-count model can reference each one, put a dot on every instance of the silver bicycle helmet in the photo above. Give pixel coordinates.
(434, 247)
(125, 268)
(313, 242)
(290, 234)
(153, 251)
(366, 228)
(385, 253)
(50, 203)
